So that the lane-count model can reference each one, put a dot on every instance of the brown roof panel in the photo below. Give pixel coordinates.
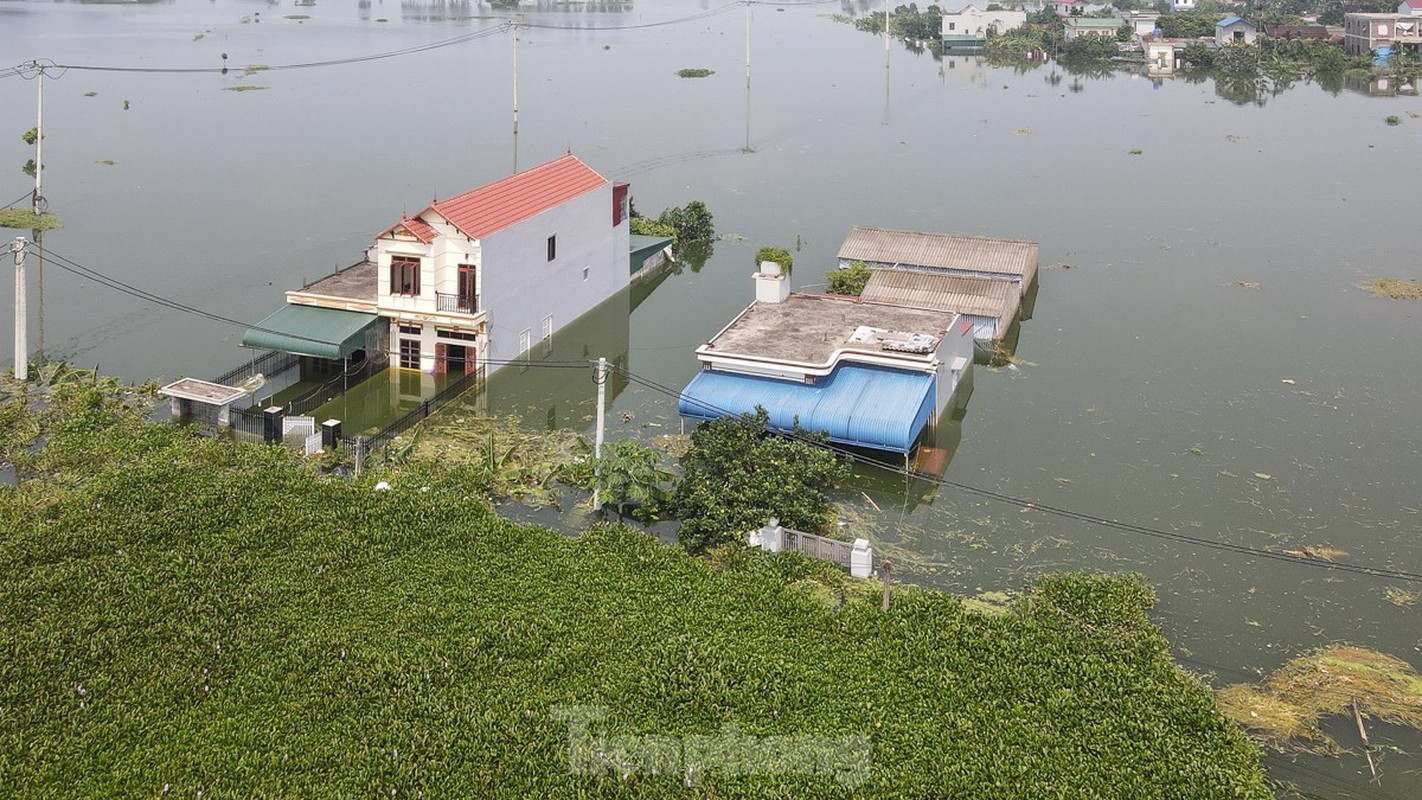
(981, 297)
(979, 254)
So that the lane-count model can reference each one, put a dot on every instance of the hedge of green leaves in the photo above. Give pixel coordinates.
(182, 615)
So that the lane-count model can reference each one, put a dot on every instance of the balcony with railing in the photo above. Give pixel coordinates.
(456, 304)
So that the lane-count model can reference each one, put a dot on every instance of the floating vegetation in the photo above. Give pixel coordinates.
(1246, 284)
(695, 73)
(1024, 131)
(252, 69)
(107, 162)
(297, 16)
(1393, 119)
(91, 94)
(1394, 288)
(494, 455)
(25, 218)
(1324, 552)
(1399, 596)
(1328, 682)
(1135, 151)
(243, 88)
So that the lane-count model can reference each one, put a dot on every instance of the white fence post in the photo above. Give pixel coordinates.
(861, 559)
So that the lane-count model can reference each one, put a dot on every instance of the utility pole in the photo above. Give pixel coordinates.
(515, 95)
(38, 199)
(22, 356)
(600, 378)
(749, 6)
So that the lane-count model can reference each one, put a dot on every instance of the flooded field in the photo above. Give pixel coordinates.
(1202, 361)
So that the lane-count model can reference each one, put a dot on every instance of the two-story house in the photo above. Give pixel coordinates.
(471, 282)
(1364, 33)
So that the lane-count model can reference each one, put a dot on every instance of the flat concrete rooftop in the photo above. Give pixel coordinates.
(356, 282)
(808, 328)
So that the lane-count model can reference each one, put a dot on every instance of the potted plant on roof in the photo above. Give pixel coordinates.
(778, 256)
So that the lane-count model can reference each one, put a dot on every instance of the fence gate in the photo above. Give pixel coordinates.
(298, 426)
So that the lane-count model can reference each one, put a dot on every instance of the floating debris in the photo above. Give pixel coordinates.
(1331, 681)
(1324, 553)
(1394, 288)
(1246, 284)
(1399, 596)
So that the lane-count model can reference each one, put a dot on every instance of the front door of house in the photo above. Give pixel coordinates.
(465, 286)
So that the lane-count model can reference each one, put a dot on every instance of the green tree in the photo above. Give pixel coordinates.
(632, 475)
(736, 474)
(643, 226)
(1197, 54)
(849, 280)
(692, 223)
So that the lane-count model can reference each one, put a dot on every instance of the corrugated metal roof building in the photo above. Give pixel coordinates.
(1012, 260)
(990, 305)
(863, 406)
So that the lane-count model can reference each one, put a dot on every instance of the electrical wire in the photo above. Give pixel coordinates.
(75, 268)
(1034, 505)
(503, 27)
(80, 270)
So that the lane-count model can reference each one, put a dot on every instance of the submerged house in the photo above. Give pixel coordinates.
(990, 282)
(968, 28)
(1010, 260)
(468, 283)
(866, 374)
(989, 306)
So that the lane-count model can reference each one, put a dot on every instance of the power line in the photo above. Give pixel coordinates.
(75, 268)
(1091, 519)
(404, 51)
(504, 26)
(993, 495)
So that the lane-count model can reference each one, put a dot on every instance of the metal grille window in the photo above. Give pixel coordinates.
(410, 353)
(404, 275)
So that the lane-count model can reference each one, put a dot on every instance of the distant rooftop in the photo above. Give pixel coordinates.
(808, 329)
(981, 255)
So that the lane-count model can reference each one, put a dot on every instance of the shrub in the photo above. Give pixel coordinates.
(849, 280)
(736, 474)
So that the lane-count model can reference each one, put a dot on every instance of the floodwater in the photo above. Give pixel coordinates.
(1201, 360)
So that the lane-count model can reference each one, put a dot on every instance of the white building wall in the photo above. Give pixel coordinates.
(521, 287)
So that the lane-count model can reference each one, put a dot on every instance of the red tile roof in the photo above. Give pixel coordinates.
(518, 197)
(417, 228)
(1414, 3)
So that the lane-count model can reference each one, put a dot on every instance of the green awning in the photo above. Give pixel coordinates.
(312, 331)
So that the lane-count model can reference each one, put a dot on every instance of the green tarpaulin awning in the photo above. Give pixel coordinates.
(312, 331)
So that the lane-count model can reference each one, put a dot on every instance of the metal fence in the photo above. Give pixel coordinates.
(419, 414)
(820, 547)
(272, 362)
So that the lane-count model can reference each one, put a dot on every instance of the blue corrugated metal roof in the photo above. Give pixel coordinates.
(882, 409)
(1226, 22)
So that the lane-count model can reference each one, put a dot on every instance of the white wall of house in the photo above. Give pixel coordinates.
(1239, 32)
(522, 288)
(971, 22)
